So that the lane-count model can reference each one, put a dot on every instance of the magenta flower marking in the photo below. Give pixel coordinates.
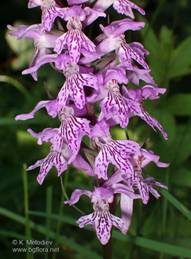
(74, 86)
(101, 219)
(61, 153)
(121, 6)
(134, 101)
(126, 6)
(75, 41)
(52, 108)
(73, 2)
(73, 129)
(50, 11)
(137, 74)
(116, 152)
(132, 52)
(101, 90)
(114, 105)
(58, 156)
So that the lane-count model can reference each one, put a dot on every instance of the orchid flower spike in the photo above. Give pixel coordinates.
(105, 83)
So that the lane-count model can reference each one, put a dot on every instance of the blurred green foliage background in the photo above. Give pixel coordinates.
(162, 229)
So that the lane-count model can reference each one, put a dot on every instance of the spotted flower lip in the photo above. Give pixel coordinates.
(126, 6)
(50, 11)
(101, 218)
(59, 160)
(118, 153)
(58, 156)
(73, 129)
(136, 109)
(65, 144)
(74, 87)
(74, 40)
(112, 39)
(145, 187)
(121, 6)
(121, 106)
(128, 53)
(114, 105)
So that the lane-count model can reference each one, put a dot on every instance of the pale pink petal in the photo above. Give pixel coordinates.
(126, 204)
(76, 196)
(81, 164)
(86, 220)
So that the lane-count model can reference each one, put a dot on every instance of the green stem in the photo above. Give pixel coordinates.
(107, 250)
(60, 215)
(48, 213)
(26, 210)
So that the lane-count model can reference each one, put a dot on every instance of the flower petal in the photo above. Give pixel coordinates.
(76, 196)
(50, 106)
(126, 6)
(118, 223)
(86, 220)
(39, 61)
(101, 164)
(103, 226)
(81, 164)
(34, 3)
(126, 204)
(73, 129)
(74, 40)
(44, 136)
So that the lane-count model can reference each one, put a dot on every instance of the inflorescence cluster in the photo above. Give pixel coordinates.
(97, 72)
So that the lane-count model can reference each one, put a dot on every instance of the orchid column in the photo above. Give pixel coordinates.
(97, 74)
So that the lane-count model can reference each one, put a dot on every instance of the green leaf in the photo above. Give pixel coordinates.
(167, 121)
(12, 121)
(156, 246)
(24, 137)
(159, 60)
(49, 195)
(118, 133)
(182, 177)
(179, 104)
(151, 43)
(24, 50)
(11, 234)
(28, 235)
(166, 38)
(66, 241)
(181, 62)
(182, 144)
(15, 83)
(177, 204)
(139, 241)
